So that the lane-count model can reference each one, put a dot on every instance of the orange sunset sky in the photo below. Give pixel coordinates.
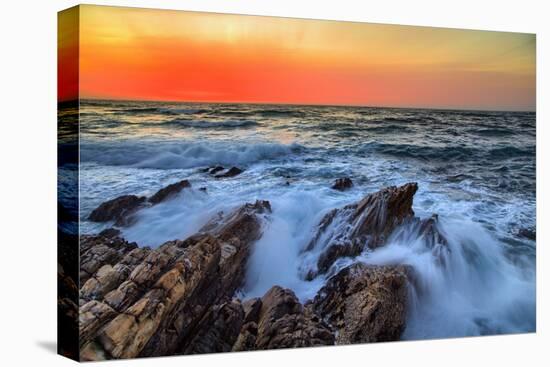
(145, 54)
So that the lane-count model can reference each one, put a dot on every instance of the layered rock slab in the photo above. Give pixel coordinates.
(160, 305)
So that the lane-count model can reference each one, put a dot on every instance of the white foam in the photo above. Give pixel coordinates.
(179, 155)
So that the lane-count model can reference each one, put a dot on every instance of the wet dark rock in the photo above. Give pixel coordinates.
(365, 303)
(218, 330)
(118, 209)
(336, 251)
(246, 340)
(121, 210)
(169, 191)
(252, 309)
(342, 184)
(530, 234)
(284, 323)
(430, 231)
(203, 189)
(215, 170)
(368, 222)
(232, 172)
(110, 233)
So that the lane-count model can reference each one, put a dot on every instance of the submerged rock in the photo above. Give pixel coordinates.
(121, 209)
(169, 191)
(365, 303)
(117, 210)
(215, 170)
(345, 232)
(342, 184)
(530, 234)
(232, 172)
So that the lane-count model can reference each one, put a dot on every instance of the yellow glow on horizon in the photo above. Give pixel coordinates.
(134, 53)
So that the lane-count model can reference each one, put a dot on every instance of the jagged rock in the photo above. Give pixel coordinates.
(232, 172)
(97, 251)
(109, 277)
(247, 337)
(119, 209)
(252, 309)
(365, 303)
(67, 294)
(342, 184)
(284, 323)
(430, 232)
(92, 352)
(93, 315)
(110, 233)
(218, 330)
(368, 222)
(167, 296)
(169, 191)
(336, 251)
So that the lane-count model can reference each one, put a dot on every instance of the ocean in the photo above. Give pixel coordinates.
(475, 170)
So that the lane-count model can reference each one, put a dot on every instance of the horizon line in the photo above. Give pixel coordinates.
(297, 104)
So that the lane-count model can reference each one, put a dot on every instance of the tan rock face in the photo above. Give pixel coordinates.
(98, 251)
(151, 302)
(282, 322)
(365, 303)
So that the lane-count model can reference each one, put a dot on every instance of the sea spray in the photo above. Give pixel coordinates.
(469, 289)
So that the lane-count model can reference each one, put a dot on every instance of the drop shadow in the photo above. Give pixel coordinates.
(48, 345)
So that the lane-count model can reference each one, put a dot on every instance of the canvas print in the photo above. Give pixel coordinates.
(235, 183)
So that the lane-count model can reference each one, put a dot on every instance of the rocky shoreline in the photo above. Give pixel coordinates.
(180, 297)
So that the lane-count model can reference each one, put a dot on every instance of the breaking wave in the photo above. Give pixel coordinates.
(179, 155)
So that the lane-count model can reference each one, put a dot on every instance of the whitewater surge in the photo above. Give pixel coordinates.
(475, 170)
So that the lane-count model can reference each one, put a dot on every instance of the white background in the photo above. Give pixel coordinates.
(28, 182)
